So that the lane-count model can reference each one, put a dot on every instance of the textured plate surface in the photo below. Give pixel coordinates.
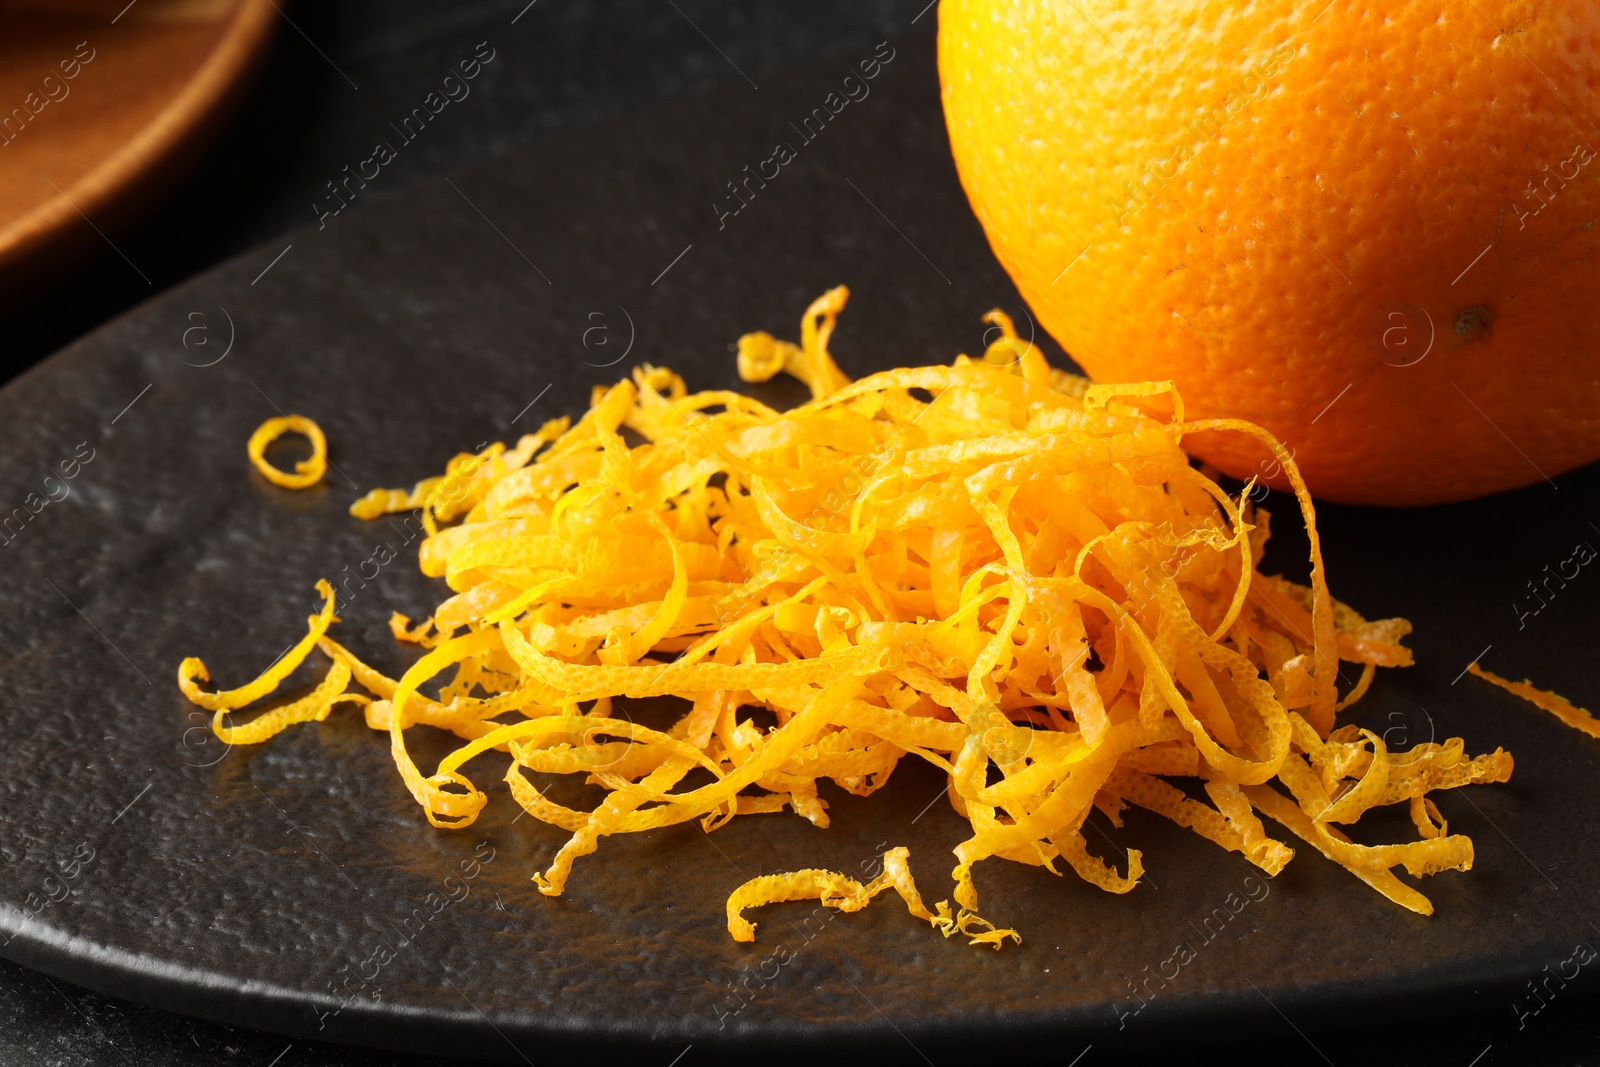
(294, 886)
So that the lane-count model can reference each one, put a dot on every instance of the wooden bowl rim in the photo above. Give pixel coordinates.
(229, 61)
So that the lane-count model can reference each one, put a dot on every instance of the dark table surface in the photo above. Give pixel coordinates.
(335, 73)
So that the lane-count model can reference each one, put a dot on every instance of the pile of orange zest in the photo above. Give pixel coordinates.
(1556, 704)
(995, 567)
(307, 472)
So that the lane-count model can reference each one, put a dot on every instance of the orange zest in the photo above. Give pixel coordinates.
(307, 472)
(1578, 718)
(993, 567)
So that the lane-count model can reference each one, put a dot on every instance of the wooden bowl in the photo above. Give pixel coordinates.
(102, 104)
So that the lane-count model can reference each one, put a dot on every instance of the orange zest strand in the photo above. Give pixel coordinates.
(192, 671)
(307, 472)
(834, 891)
(993, 567)
(1556, 704)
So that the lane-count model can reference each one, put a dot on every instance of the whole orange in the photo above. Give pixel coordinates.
(1370, 228)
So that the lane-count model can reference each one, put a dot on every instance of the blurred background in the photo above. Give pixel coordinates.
(142, 143)
(295, 92)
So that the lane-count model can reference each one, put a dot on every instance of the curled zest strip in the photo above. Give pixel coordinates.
(308, 472)
(460, 807)
(1367, 791)
(833, 890)
(1324, 636)
(314, 707)
(192, 671)
(994, 567)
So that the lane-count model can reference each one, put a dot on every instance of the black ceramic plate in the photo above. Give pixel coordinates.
(294, 886)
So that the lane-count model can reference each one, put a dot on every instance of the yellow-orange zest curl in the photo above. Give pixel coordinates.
(307, 472)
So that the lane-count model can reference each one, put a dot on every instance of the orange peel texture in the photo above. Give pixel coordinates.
(992, 566)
